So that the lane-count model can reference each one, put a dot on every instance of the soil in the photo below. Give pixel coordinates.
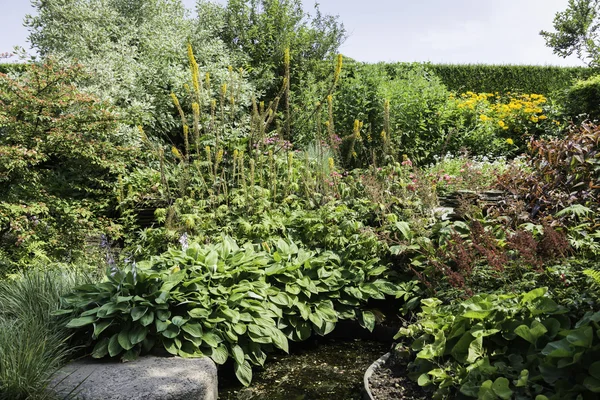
(390, 382)
(319, 369)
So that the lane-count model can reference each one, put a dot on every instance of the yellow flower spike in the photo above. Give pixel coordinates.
(196, 108)
(235, 154)
(224, 89)
(338, 67)
(329, 99)
(207, 151)
(331, 163)
(286, 56)
(326, 123)
(241, 71)
(220, 155)
(213, 104)
(230, 69)
(176, 153)
(176, 269)
(510, 141)
(207, 79)
(383, 135)
(175, 100)
(543, 117)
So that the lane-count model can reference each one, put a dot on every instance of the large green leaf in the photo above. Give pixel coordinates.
(219, 354)
(532, 334)
(124, 341)
(243, 372)
(82, 321)
(100, 326)
(138, 312)
(114, 347)
(147, 319)
(238, 354)
(137, 334)
(193, 328)
(101, 348)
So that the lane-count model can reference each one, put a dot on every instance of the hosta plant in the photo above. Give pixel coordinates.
(224, 301)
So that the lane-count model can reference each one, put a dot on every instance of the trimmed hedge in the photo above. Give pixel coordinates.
(481, 78)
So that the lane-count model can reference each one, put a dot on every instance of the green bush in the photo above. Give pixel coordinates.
(60, 155)
(582, 99)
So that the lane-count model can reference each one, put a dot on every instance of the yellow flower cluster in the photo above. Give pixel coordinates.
(504, 111)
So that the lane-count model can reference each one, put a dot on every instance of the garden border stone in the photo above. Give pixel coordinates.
(147, 378)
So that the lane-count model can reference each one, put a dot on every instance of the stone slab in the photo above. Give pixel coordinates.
(147, 378)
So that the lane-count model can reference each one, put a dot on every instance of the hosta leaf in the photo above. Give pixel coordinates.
(304, 310)
(212, 339)
(171, 332)
(131, 355)
(138, 312)
(238, 354)
(239, 328)
(124, 341)
(114, 347)
(367, 320)
(193, 328)
(100, 326)
(147, 319)
(178, 320)
(243, 372)
(161, 325)
(138, 334)
(281, 299)
(170, 346)
(199, 313)
(219, 354)
(101, 348)
(82, 321)
(163, 315)
(279, 339)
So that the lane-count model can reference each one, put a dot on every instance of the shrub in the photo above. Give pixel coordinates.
(60, 156)
(582, 99)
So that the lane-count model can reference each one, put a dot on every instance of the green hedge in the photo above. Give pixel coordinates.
(503, 78)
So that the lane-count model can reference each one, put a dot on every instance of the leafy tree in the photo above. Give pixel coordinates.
(263, 29)
(60, 158)
(577, 31)
(135, 50)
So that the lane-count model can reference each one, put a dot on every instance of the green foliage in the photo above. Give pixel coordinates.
(503, 346)
(12, 67)
(480, 78)
(59, 159)
(576, 31)
(262, 30)
(134, 51)
(225, 301)
(582, 100)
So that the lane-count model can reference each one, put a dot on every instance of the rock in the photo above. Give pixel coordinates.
(147, 378)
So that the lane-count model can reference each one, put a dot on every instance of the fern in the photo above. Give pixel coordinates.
(594, 274)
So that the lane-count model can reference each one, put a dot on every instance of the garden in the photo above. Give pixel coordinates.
(193, 187)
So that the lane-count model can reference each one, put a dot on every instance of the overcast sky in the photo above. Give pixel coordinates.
(440, 31)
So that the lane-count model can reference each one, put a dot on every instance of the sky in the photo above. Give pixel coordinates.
(438, 31)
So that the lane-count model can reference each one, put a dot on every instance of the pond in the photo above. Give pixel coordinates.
(321, 368)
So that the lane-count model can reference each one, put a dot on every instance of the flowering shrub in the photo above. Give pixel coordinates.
(500, 124)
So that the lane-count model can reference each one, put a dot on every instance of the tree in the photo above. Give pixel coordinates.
(135, 51)
(263, 29)
(577, 31)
